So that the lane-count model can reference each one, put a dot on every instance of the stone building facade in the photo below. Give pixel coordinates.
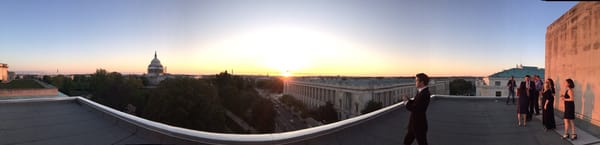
(351, 95)
(573, 51)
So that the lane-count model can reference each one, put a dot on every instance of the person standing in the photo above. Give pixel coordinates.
(417, 124)
(523, 104)
(548, 105)
(538, 91)
(530, 88)
(569, 116)
(511, 89)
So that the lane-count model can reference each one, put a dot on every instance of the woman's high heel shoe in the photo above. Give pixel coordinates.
(566, 136)
(574, 137)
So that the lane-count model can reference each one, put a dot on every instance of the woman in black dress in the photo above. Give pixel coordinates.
(568, 97)
(522, 105)
(548, 105)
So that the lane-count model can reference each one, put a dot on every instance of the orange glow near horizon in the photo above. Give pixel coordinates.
(288, 48)
(249, 67)
(285, 50)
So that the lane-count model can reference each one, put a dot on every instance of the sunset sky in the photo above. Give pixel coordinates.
(304, 37)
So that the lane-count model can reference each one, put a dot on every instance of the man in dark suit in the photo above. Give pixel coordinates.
(511, 89)
(417, 124)
(530, 85)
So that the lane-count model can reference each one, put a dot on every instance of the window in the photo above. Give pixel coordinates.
(498, 93)
(348, 101)
(497, 83)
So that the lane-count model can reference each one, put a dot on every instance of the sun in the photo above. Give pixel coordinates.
(283, 49)
(286, 74)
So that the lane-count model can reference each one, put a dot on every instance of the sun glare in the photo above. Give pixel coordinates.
(286, 74)
(290, 48)
(281, 48)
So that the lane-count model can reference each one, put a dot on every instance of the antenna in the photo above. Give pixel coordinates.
(521, 59)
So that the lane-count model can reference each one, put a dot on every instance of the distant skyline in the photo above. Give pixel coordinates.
(356, 38)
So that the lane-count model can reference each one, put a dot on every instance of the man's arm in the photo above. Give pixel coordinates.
(420, 103)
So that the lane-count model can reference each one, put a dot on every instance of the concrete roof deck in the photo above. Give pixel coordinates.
(451, 121)
(67, 121)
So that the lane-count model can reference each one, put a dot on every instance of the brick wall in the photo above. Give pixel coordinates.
(28, 92)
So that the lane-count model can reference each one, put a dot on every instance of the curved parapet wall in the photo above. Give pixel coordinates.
(246, 139)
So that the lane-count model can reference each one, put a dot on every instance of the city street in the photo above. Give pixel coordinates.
(285, 119)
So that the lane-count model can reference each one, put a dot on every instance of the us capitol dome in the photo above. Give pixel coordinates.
(155, 68)
(156, 72)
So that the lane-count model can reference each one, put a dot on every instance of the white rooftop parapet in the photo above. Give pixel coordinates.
(247, 139)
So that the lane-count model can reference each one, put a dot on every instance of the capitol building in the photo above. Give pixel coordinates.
(156, 72)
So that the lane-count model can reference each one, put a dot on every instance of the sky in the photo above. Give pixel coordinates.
(304, 37)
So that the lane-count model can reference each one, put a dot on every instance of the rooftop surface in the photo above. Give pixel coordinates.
(67, 122)
(451, 121)
(21, 84)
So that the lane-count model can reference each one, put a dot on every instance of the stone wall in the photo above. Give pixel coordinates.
(3, 73)
(573, 51)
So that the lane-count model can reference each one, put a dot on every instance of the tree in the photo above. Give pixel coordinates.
(63, 83)
(371, 106)
(239, 96)
(461, 87)
(293, 102)
(47, 79)
(188, 103)
(273, 85)
(236, 94)
(113, 89)
(263, 115)
(326, 113)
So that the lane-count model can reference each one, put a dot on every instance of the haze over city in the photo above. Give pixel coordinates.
(442, 38)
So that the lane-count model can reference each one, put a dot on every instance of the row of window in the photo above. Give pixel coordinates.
(390, 97)
(314, 96)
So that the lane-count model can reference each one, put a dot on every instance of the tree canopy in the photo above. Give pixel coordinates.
(461, 87)
(198, 104)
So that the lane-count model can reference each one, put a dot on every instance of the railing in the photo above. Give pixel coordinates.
(36, 100)
(246, 139)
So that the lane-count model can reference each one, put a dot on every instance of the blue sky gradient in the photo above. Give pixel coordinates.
(442, 37)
